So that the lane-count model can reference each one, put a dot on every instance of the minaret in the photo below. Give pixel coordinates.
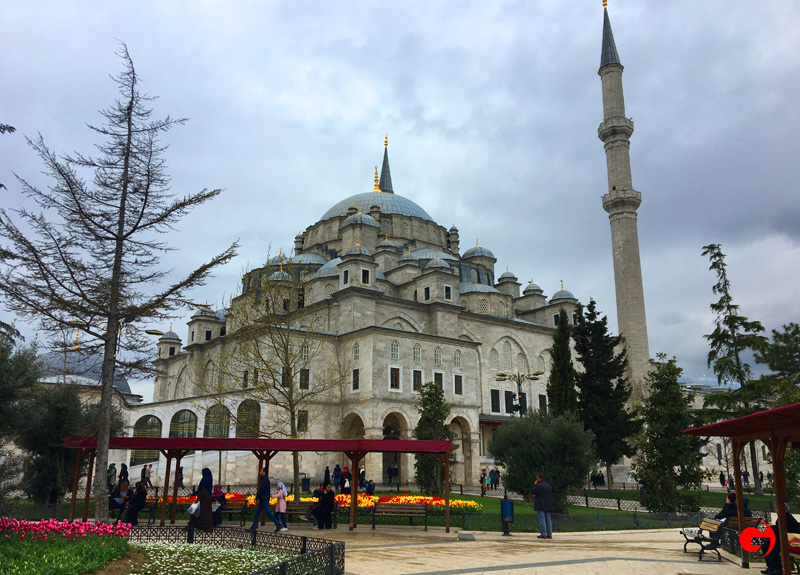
(621, 203)
(386, 176)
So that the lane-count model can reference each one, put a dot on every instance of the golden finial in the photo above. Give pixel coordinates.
(359, 209)
(376, 188)
(476, 242)
(358, 241)
(170, 327)
(562, 285)
(386, 141)
(409, 248)
(605, 3)
(506, 268)
(386, 237)
(437, 255)
(349, 243)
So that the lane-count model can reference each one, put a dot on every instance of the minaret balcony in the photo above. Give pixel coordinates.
(618, 201)
(615, 126)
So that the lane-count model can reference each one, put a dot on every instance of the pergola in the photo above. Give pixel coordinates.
(264, 450)
(776, 428)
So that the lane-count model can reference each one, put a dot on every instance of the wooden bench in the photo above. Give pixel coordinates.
(151, 506)
(232, 508)
(302, 508)
(409, 510)
(708, 541)
(733, 522)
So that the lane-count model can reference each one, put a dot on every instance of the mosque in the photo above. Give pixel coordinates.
(395, 303)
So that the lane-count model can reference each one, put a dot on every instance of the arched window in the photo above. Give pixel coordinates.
(473, 274)
(506, 356)
(406, 230)
(457, 358)
(398, 325)
(183, 424)
(522, 362)
(309, 296)
(305, 352)
(248, 419)
(209, 377)
(501, 309)
(329, 290)
(356, 351)
(493, 363)
(329, 233)
(386, 227)
(218, 422)
(463, 303)
(483, 306)
(395, 350)
(417, 355)
(146, 426)
(437, 356)
(540, 363)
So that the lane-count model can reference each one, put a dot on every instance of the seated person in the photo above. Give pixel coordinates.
(729, 509)
(130, 514)
(773, 560)
(370, 488)
(218, 497)
(119, 497)
(311, 515)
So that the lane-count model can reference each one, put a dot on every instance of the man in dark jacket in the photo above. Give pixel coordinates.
(262, 498)
(543, 505)
(773, 559)
(729, 509)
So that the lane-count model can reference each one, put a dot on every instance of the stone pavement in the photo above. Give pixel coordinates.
(407, 550)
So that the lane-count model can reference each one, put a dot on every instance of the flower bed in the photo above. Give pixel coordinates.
(51, 547)
(368, 501)
(188, 559)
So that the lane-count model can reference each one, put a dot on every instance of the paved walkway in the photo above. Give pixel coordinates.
(411, 551)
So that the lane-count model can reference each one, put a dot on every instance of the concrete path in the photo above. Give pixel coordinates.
(411, 551)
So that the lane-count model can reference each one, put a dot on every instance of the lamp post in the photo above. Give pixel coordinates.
(519, 378)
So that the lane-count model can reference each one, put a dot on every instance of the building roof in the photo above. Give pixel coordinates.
(309, 258)
(609, 54)
(467, 287)
(478, 251)
(429, 254)
(388, 203)
(80, 369)
(360, 218)
(780, 422)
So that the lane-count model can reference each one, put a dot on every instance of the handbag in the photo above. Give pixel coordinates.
(194, 509)
(347, 484)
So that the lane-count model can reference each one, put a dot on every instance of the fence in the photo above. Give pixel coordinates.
(310, 555)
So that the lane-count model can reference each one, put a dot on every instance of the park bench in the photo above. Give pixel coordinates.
(409, 510)
(708, 541)
(236, 508)
(302, 508)
(151, 506)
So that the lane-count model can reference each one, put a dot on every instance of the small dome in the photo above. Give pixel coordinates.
(508, 275)
(357, 251)
(562, 294)
(329, 270)
(280, 276)
(170, 335)
(386, 243)
(478, 251)
(278, 260)
(204, 311)
(438, 263)
(360, 219)
(309, 258)
(408, 257)
(429, 254)
(532, 288)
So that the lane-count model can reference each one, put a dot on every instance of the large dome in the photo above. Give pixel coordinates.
(389, 204)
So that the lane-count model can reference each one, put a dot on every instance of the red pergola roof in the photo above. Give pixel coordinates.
(778, 422)
(230, 444)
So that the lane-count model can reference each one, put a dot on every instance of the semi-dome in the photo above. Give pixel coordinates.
(429, 254)
(465, 287)
(309, 258)
(330, 269)
(562, 294)
(388, 203)
(360, 219)
(478, 251)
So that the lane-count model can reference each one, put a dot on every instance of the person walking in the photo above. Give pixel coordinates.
(390, 473)
(325, 510)
(722, 478)
(280, 504)
(345, 480)
(123, 475)
(543, 505)
(143, 474)
(262, 499)
(204, 520)
(111, 477)
(482, 480)
(327, 475)
(362, 477)
(180, 476)
(147, 475)
(337, 476)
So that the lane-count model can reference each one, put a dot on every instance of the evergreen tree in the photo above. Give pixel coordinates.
(90, 257)
(733, 336)
(603, 391)
(432, 426)
(669, 463)
(558, 447)
(562, 397)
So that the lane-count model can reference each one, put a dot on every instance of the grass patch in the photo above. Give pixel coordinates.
(57, 555)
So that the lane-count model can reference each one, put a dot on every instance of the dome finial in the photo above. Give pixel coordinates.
(349, 244)
(358, 241)
(476, 242)
(562, 285)
(376, 188)
(386, 141)
(605, 3)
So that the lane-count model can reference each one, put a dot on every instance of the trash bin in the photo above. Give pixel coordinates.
(305, 483)
(506, 514)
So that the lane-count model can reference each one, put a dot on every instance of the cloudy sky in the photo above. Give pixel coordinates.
(491, 110)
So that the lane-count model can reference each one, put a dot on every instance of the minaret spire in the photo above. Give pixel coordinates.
(621, 202)
(386, 176)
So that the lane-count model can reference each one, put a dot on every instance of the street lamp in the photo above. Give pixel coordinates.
(519, 378)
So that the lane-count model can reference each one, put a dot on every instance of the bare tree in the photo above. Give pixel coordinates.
(276, 353)
(90, 258)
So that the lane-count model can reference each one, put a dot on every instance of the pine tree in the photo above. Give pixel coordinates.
(90, 258)
(669, 466)
(562, 397)
(432, 425)
(603, 391)
(732, 337)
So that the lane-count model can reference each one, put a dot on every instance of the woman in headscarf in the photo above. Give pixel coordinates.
(345, 482)
(280, 504)
(204, 520)
(218, 497)
(123, 474)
